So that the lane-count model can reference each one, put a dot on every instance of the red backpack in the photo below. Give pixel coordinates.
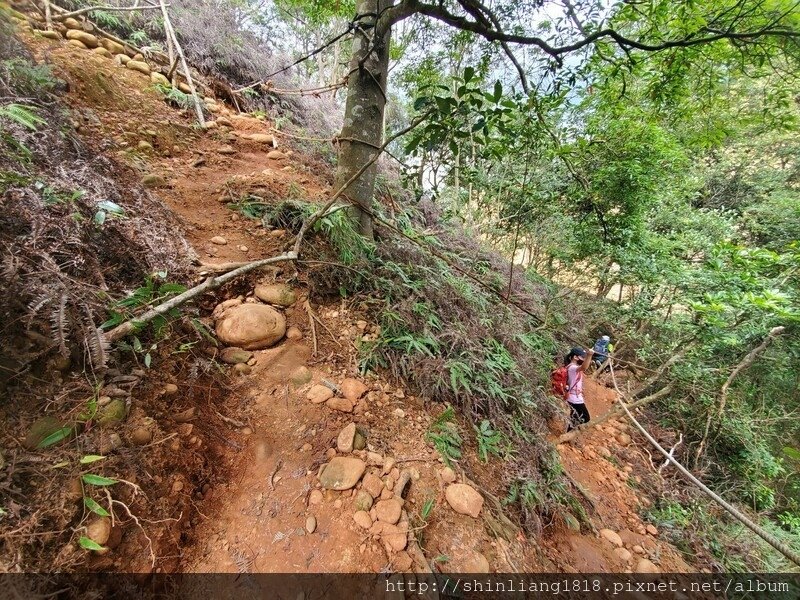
(558, 382)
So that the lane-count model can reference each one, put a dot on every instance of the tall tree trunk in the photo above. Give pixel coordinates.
(362, 132)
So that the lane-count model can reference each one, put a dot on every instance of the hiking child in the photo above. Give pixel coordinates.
(602, 348)
(577, 361)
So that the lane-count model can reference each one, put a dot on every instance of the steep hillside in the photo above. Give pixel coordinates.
(286, 459)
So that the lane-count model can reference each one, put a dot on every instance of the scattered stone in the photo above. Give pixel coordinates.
(218, 240)
(177, 487)
(399, 413)
(294, 333)
(244, 248)
(112, 413)
(611, 536)
(311, 524)
(394, 536)
(363, 500)
(353, 389)
(159, 79)
(87, 39)
(40, 430)
(645, 566)
(261, 138)
(623, 439)
(137, 65)
(102, 52)
(71, 23)
(604, 452)
(141, 436)
(475, 562)
(226, 149)
(389, 511)
(74, 489)
(122, 59)
(145, 146)
(151, 180)
(638, 549)
(51, 35)
(344, 443)
(360, 439)
(448, 475)
(623, 554)
(249, 431)
(315, 497)
(300, 376)
(362, 325)
(464, 499)
(373, 458)
(184, 87)
(276, 155)
(278, 294)
(112, 46)
(170, 388)
(235, 356)
(340, 404)
(319, 394)
(363, 519)
(78, 44)
(251, 326)
(342, 473)
(184, 416)
(388, 464)
(651, 529)
(242, 369)
(403, 562)
(372, 484)
(99, 529)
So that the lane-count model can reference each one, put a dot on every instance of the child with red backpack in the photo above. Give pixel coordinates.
(567, 383)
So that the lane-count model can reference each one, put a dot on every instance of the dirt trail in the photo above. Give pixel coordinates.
(259, 520)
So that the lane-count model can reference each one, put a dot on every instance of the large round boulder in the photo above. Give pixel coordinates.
(279, 294)
(251, 326)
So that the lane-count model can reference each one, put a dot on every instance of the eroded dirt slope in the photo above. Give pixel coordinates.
(271, 514)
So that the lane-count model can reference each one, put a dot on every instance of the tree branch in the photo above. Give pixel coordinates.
(723, 394)
(439, 13)
(88, 9)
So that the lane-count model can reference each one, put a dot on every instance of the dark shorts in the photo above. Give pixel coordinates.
(578, 414)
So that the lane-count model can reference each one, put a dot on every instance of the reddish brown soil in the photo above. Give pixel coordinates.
(252, 521)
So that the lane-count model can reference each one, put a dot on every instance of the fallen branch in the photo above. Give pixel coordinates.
(616, 411)
(171, 35)
(671, 453)
(211, 283)
(310, 313)
(309, 223)
(738, 515)
(110, 36)
(88, 9)
(723, 394)
(230, 421)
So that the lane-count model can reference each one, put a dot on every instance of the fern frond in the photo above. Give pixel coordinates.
(97, 346)
(22, 115)
(59, 324)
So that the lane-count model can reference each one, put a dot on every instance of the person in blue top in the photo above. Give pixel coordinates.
(602, 348)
